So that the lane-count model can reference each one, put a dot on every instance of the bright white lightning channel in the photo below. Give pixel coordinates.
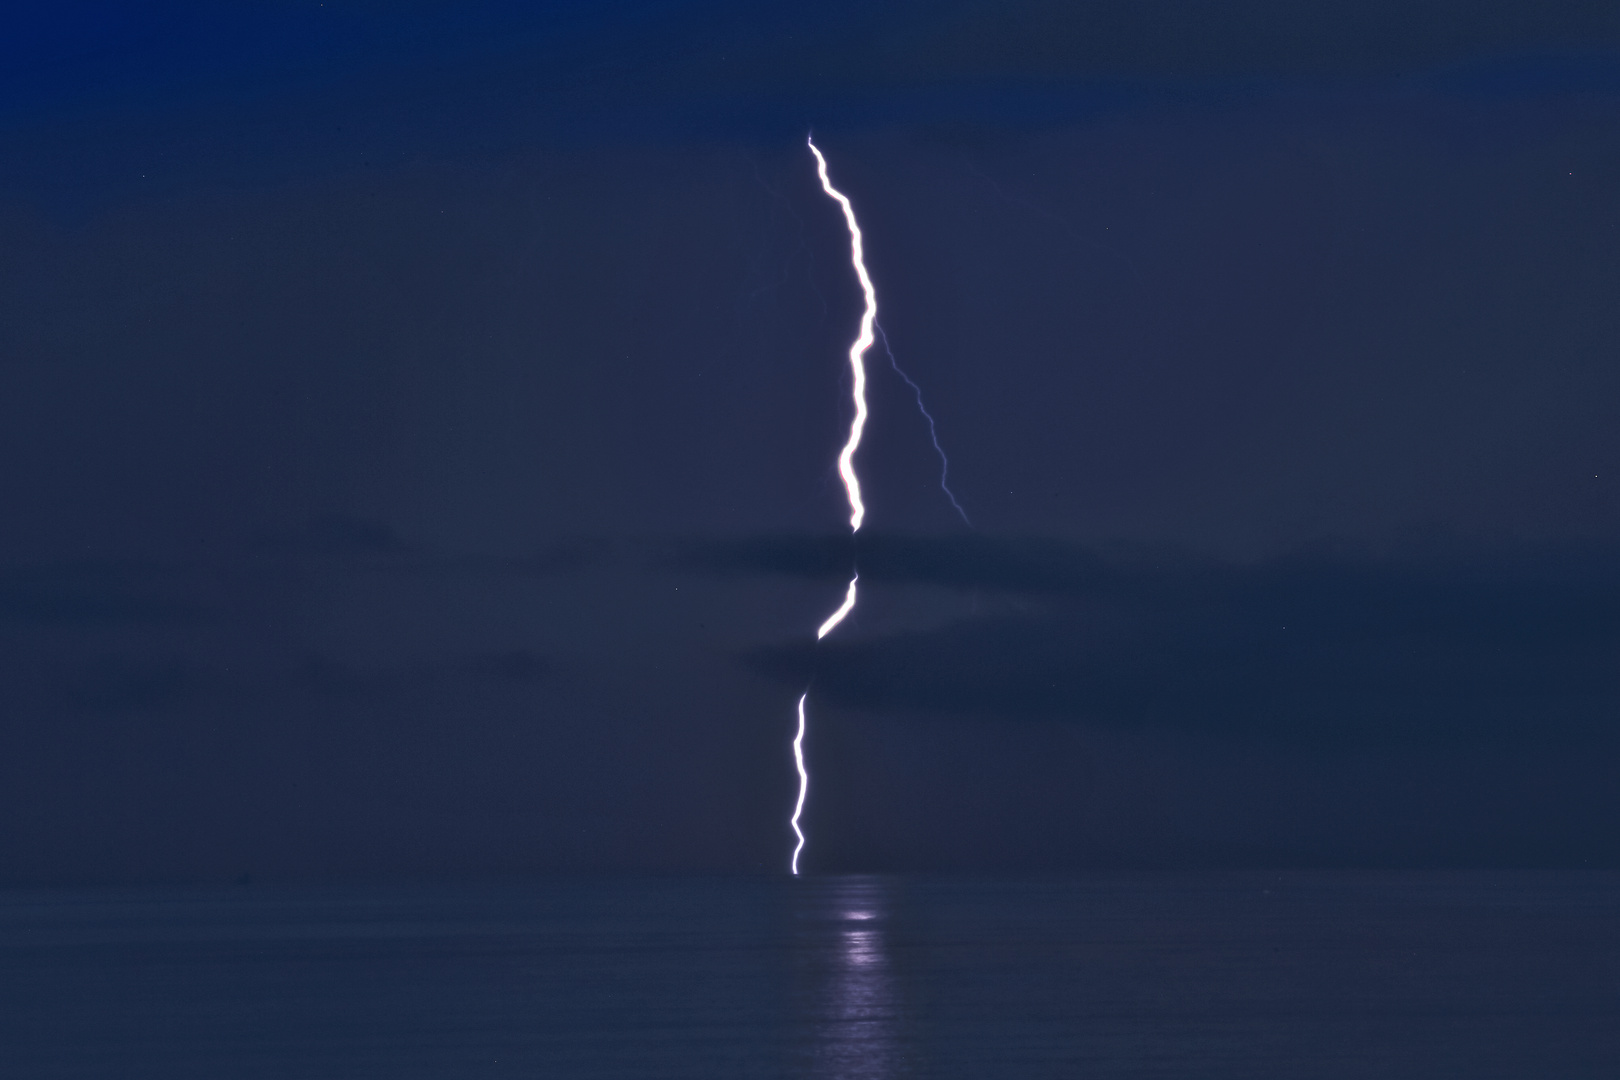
(843, 609)
(804, 783)
(846, 458)
(857, 351)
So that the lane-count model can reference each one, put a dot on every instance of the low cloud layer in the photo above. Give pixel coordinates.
(1456, 645)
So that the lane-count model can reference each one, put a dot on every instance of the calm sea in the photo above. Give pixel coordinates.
(1237, 975)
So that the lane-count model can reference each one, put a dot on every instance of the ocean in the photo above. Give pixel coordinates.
(1298, 974)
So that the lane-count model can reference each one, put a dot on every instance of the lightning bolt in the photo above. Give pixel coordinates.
(804, 783)
(846, 457)
(857, 351)
(843, 609)
(933, 432)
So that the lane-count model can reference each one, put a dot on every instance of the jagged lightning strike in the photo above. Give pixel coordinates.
(857, 351)
(804, 783)
(933, 429)
(846, 457)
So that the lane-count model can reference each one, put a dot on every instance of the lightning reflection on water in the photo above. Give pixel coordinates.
(854, 1007)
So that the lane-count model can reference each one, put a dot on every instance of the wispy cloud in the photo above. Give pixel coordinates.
(1521, 643)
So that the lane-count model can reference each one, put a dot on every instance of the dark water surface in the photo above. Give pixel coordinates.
(1233, 975)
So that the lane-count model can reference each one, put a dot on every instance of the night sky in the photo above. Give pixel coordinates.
(418, 427)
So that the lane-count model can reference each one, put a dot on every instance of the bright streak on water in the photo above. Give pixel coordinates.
(860, 1017)
(1403, 975)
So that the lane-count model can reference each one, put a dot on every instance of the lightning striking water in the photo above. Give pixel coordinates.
(846, 457)
(804, 782)
(933, 433)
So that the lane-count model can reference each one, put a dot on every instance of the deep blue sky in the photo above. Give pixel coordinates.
(417, 426)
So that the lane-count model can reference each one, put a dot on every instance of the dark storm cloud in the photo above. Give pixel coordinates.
(333, 534)
(95, 592)
(125, 684)
(1522, 643)
(322, 676)
(336, 540)
(512, 665)
(90, 593)
(324, 327)
(132, 637)
(70, 51)
(1272, 37)
(1044, 566)
(135, 682)
(281, 89)
(1022, 565)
